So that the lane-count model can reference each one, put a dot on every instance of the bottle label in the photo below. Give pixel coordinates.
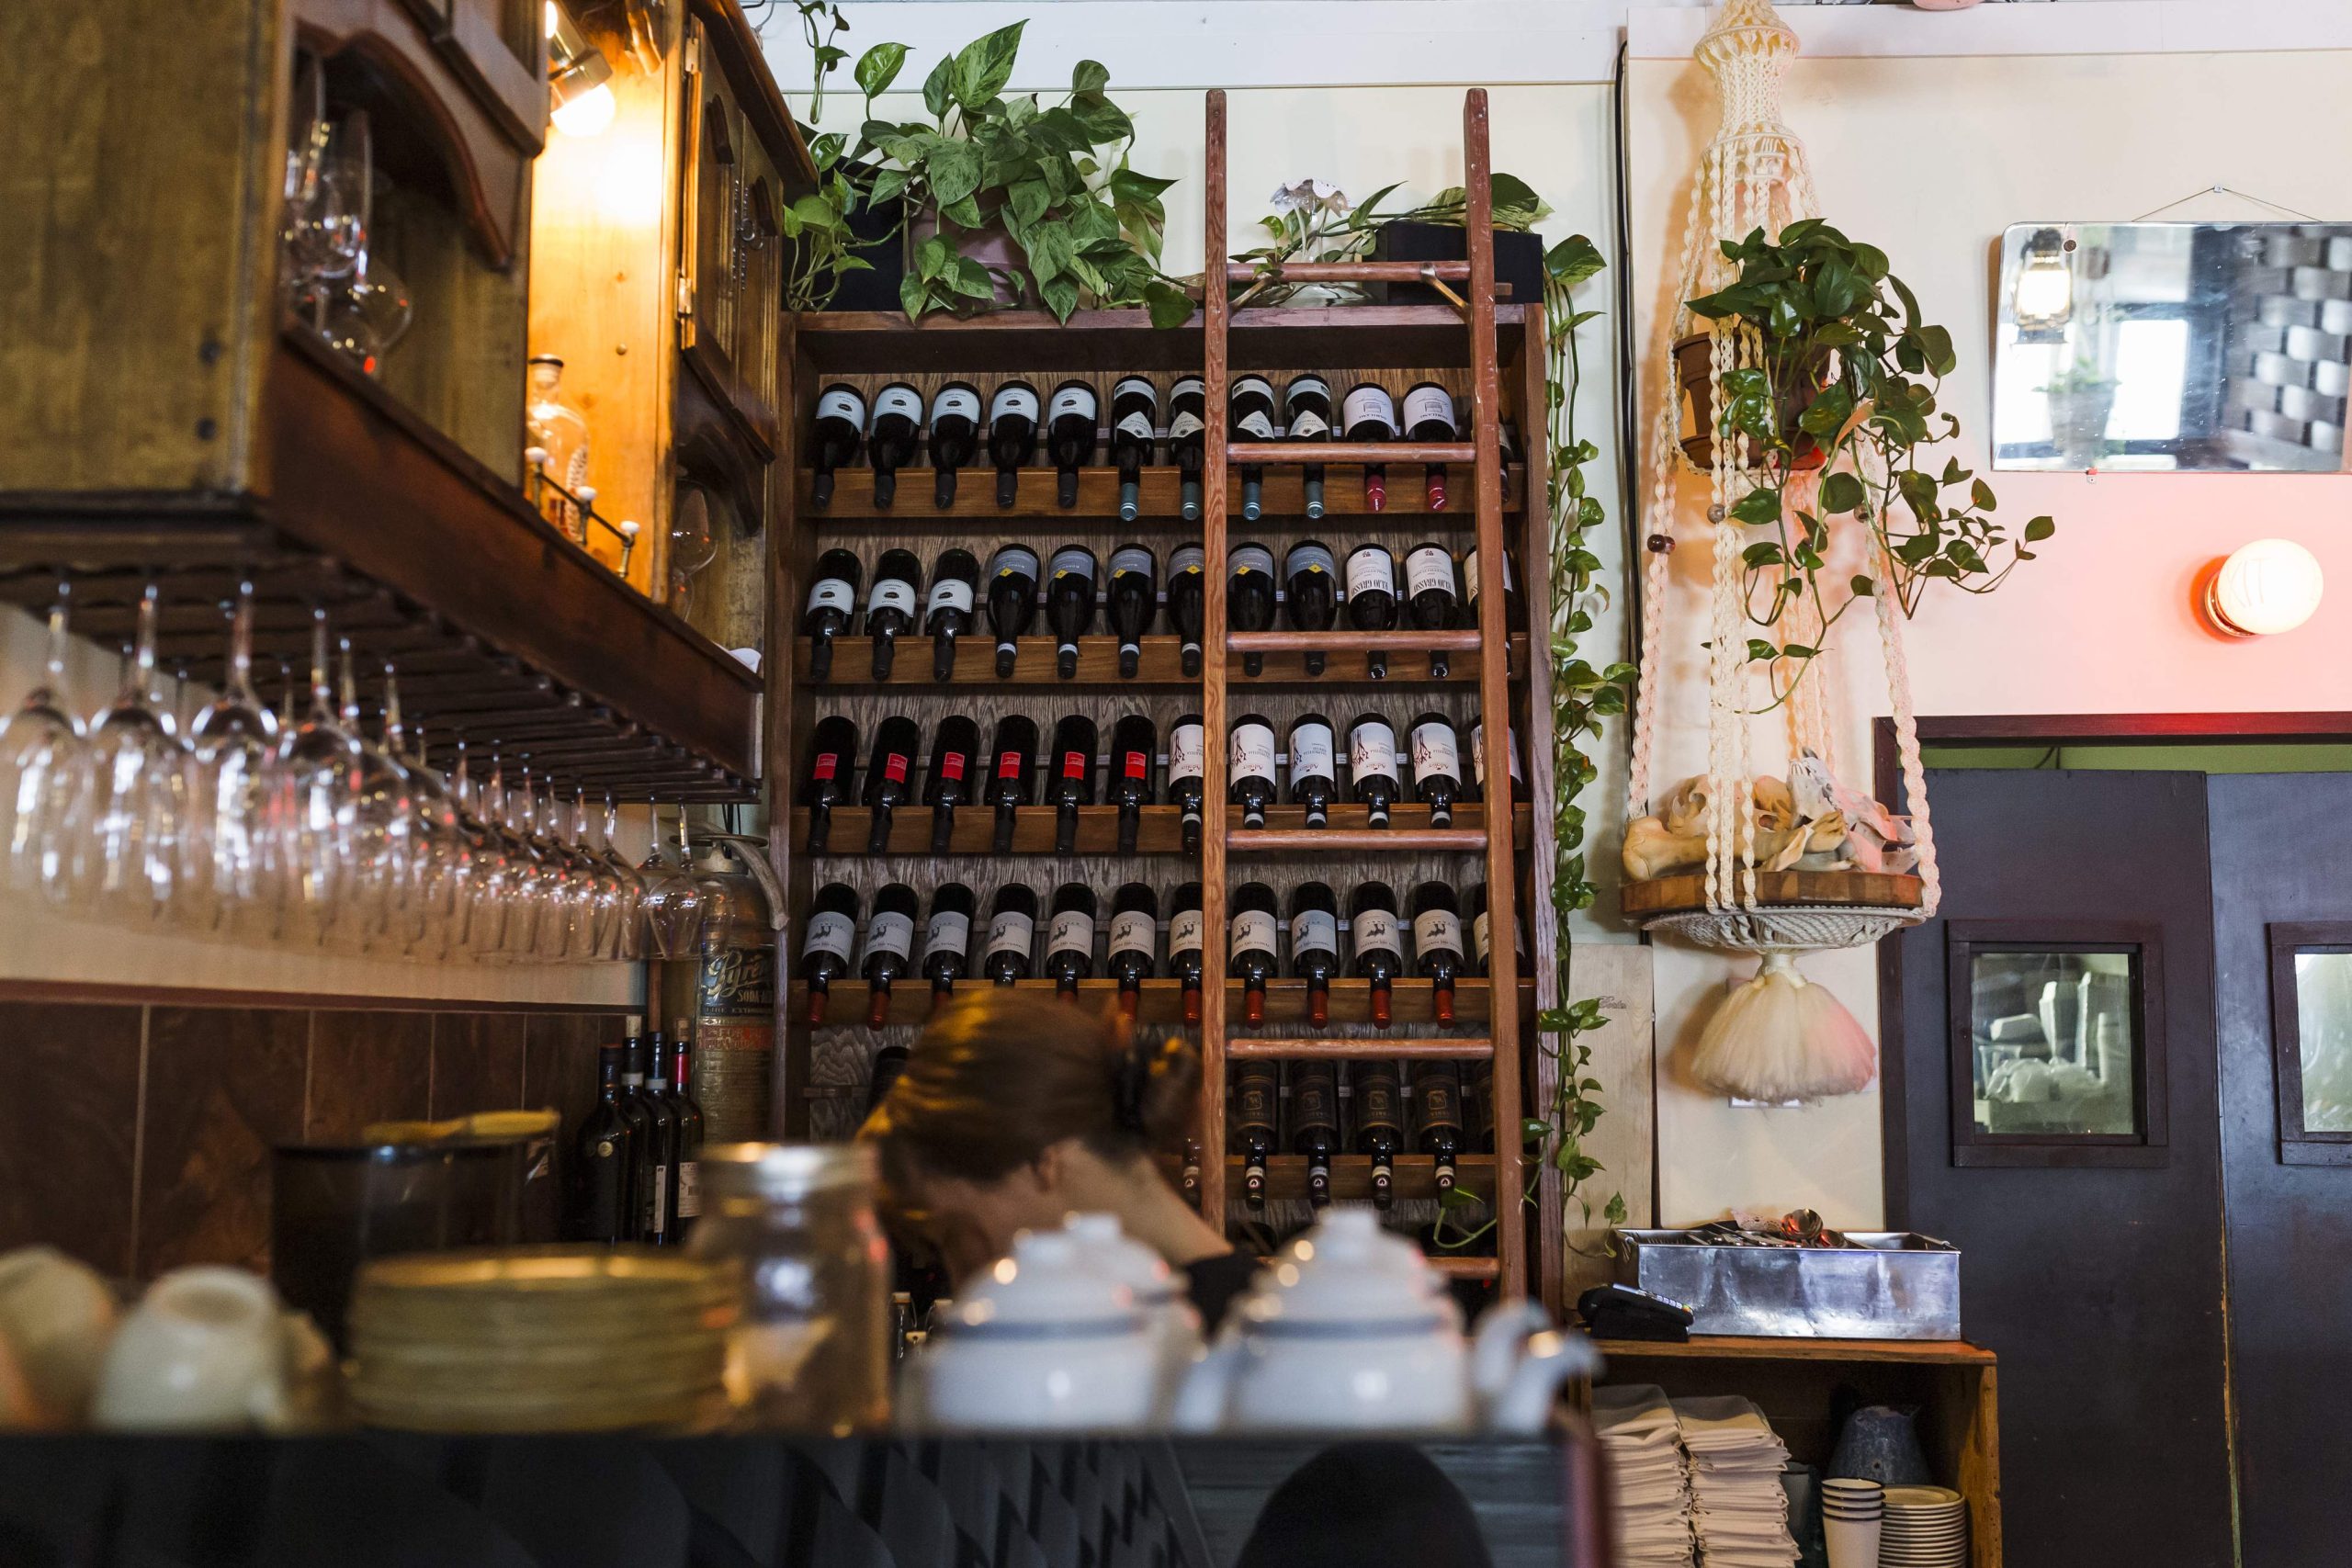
(1308, 425)
(1135, 765)
(1437, 928)
(841, 403)
(899, 401)
(1014, 560)
(1187, 558)
(1250, 557)
(1254, 931)
(1434, 753)
(1314, 1101)
(1376, 929)
(1140, 385)
(1184, 932)
(1311, 557)
(1481, 945)
(1430, 571)
(689, 1188)
(1256, 424)
(889, 931)
(1191, 384)
(1074, 562)
(1314, 931)
(1010, 931)
(1138, 425)
(1188, 752)
(1470, 574)
(1072, 930)
(1369, 403)
(1441, 1106)
(1478, 751)
(1133, 930)
(1254, 1102)
(1013, 398)
(953, 401)
(948, 593)
(1372, 571)
(831, 932)
(661, 1196)
(1376, 1101)
(1245, 385)
(1079, 399)
(1185, 423)
(828, 763)
(1310, 754)
(1253, 751)
(1131, 557)
(1076, 764)
(950, 930)
(1008, 765)
(832, 593)
(1431, 404)
(895, 765)
(1371, 750)
(891, 594)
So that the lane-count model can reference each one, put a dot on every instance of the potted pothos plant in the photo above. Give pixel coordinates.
(1313, 221)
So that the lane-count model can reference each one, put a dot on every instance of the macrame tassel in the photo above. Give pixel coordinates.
(1780, 1037)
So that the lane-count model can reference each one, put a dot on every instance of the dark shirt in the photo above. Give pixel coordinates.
(1213, 1282)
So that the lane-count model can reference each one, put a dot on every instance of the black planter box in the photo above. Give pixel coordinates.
(1518, 261)
(881, 243)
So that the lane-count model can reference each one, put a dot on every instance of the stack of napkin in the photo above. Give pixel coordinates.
(1737, 1506)
(1641, 1444)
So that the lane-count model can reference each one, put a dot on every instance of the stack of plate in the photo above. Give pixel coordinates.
(539, 1339)
(1852, 1517)
(1926, 1526)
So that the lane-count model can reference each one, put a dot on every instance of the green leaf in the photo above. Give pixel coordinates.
(1090, 76)
(1060, 296)
(971, 280)
(887, 186)
(1981, 494)
(1132, 184)
(1758, 648)
(1841, 492)
(2040, 529)
(939, 87)
(1861, 587)
(914, 295)
(1614, 1212)
(965, 212)
(1760, 505)
(1170, 306)
(828, 57)
(954, 170)
(1572, 261)
(1765, 553)
(1050, 248)
(1028, 200)
(985, 65)
(879, 66)
(933, 257)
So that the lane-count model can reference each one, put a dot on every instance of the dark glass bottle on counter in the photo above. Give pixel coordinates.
(1312, 603)
(947, 937)
(1134, 417)
(1307, 416)
(1428, 416)
(1013, 774)
(1510, 756)
(832, 601)
(890, 605)
(1070, 776)
(1437, 767)
(1187, 602)
(1252, 946)
(1372, 600)
(1380, 1122)
(1134, 948)
(1372, 783)
(1370, 415)
(1070, 423)
(641, 1128)
(1250, 768)
(890, 443)
(1437, 943)
(1069, 603)
(1380, 947)
(1188, 764)
(1012, 601)
(1127, 782)
(1130, 603)
(1314, 945)
(890, 777)
(1313, 771)
(690, 1129)
(954, 431)
(1314, 1123)
(1188, 415)
(1013, 933)
(1251, 420)
(952, 776)
(825, 945)
(604, 1162)
(1256, 1130)
(1430, 603)
(1070, 938)
(832, 764)
(656, 1150)
(889, 947)
(1250, 596)
(1012, 437)
(947, 611)
(1186, 948)
(832, 440)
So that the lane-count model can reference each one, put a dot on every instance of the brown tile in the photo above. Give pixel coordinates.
(368, 1066)
(560, 1061)
(224, 1085)
(477, 1063)
(68, 1129)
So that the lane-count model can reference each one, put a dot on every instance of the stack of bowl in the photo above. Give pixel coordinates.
(540, 1339)
(1926, 1526)
(1851, 1514)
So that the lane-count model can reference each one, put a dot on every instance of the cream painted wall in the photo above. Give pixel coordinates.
(1931, 159)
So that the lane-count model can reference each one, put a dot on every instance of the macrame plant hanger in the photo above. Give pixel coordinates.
(1777, 1037)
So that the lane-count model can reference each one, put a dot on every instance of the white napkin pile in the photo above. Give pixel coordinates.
(1642, 1446)
(1737, 1504)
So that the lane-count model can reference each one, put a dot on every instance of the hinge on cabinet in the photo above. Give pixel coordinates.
(685, 295)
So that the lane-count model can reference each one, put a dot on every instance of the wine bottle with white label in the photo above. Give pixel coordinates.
(1511, 754)
(1012, 601)
(1370, 414)
(1012, 437)
(1379, 1132)
(1188, 421)
(1429, 417)
(890, 605)
(1187, 602)
(1127, 784)
(1313, 769)
(1012, 774)
(1430, 603)
(1482, 945)
(1188, 765)
(955, 434)
(947, 938)
(1134, 415)
(1379, 946)
(825, 945)
(1187, 962)
(890, 777)
(832, 602)
(1437, 943)
(1314, 1123)
(1070, 421)
(1312, 603)
(1013, 933)
(832, 764)
(1372, 783)
(948, 609)
(1251, 956)
(1070, 776)
(889, 948)
(1250, 596)
(1437, 767)
(1251, 420)
(1069, 603)
(1250, 770)
(1070, 938)
(1306, 414)
(1134, 950)
(953, 776)
(1372, 600)
(832, 440)
(1314, 945)
(1514, 606)
(890, 444)
(1437, 1119)
(1131, 601)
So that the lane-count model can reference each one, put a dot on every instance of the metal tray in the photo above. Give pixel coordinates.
(1890, 1285)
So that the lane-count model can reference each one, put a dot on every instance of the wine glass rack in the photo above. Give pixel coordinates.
(1499, 676)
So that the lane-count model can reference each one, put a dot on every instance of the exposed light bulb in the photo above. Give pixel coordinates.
(2264, 588)
(588, 114)
(2043, 297)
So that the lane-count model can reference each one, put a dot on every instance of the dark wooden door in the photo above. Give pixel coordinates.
(2092, 1264)
(2282, 891)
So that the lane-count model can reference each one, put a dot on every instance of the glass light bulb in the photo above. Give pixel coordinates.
(588, 114)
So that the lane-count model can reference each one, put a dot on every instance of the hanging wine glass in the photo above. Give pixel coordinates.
(232, 743)
(312, 795)
(382, 915)
(490, 878)
(693, 543)
(673, 902)
(314, 202)
(42, 762)
(628, 940)
(603, 888)
(133, 800)
(444, 854)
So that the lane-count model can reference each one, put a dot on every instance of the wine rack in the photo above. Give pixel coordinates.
(1497, 677)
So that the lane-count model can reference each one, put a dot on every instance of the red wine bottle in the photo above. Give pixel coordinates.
(1012, 601)
(1250, 950)
(832, 600)
(832, 764)
(1428, 581)
(1012, 776)
(1379, 948)
(1186, 949)
(890, 444)
(1131, 602)
(1372, 783)
(1188, 416)
(953, 776)
(1370, 414)
(1315, 1123)
(1069, 603)
(1250, 407)
(1070, 423)
(947, 937)
(1379, 1122)
(825, 945)
(1312, 602)
(890, 605)
(955, 429)
(889, 947)
(890, 775)
(1013, 933)
(1135, 941)
(1070, 776)
(1314, 772)
(1437, 1119)
(603, 1203)
(1070, 938)
(1188, 775)
(1306, 414)
(1127, 784)
(1256, 1129)
(1134, 415)
(1428, 416)
(1012, 437)
(1437, 943)
(832, 440)
(1250, 596)
(1314, 945)
(948, 612)
(1187, 607)
(1251, 768)
(1437, 767)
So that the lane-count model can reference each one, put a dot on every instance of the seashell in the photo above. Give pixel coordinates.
(1777, 849)
(1652, 850)
(1826, 833)
(1684, 810)
(1776, 806)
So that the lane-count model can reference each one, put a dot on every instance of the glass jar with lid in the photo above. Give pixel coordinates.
(557, 437)
(809, 1351)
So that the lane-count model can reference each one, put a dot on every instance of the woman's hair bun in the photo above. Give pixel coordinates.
(1158, 1087)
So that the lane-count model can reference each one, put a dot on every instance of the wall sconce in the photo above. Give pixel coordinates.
(579, 77)
(2043, 297)
(2260, 589)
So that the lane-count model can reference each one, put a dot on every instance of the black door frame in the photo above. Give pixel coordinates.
(2050, 729)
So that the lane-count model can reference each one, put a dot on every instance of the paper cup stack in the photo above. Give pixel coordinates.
(1851, 1515)
(1925, 1526)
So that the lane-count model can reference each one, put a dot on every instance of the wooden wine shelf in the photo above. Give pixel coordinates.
(1449, 1047)
(1159, 499)
(1162, 1001)
(1464, 1268)
(1159, 830)
(1160, 664)
(1415, 1177)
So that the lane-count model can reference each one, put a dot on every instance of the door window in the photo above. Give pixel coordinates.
(2310, 984)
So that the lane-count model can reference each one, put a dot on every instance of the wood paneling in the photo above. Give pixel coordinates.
(477, 1063)
(224, 1087)
(69, 1150)
(368, 1066)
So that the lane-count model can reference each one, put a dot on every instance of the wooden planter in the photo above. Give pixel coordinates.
(1694, 366)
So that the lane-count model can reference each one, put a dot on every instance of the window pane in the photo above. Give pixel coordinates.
(2324, 1020)
(2053, 1039)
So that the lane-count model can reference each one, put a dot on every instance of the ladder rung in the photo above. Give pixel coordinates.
(1447, 1046)
(1402, 640)
(1466, 1267)
(1442, 841)
(1351, 272)
(1264, 453)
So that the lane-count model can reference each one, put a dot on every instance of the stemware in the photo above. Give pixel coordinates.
(672, 901)
(133, 803)
(444, 853)
(557, 913)
(630, 926)
(42, 760)
(381, 913)
(488, 893)
(313, 798)
(693, 545)
(232, 743)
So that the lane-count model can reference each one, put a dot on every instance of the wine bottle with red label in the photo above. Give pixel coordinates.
(832, 764)
(1070, 776)
(1134, 948)
(889, 948)
(890, 775)
(890, 605)
(1012, 774)
(953, 776)
(1134, 740)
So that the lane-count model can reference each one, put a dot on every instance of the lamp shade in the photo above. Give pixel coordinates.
(2264, 588)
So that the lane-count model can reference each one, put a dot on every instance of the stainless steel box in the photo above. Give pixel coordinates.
(1890, 1285)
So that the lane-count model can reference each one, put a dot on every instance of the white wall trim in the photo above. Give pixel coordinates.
(2113, 27)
